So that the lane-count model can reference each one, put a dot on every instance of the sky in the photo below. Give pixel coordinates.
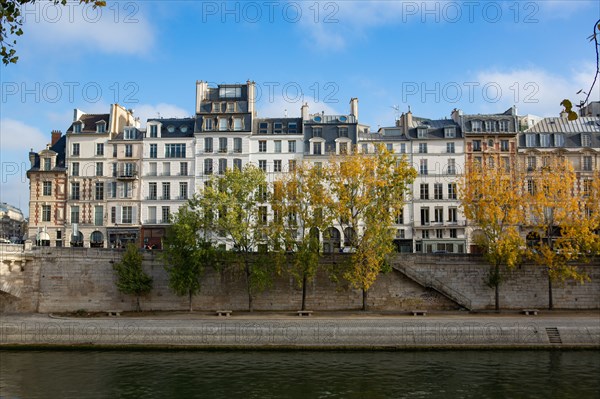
(431, 56)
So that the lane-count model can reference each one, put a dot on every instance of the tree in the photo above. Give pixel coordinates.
(131, 279)
(11, 22)
(491, 198)
(186, 252)
(369, 191)
(236, 205)
(302, 207)
(557, 219)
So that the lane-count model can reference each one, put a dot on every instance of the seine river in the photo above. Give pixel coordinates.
(365, 375)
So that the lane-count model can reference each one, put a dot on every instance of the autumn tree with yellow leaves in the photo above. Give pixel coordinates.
(491, 199)
(369, 189)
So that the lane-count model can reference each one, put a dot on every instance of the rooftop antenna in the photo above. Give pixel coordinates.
(158, 113)
(285, 112)
(396, 111)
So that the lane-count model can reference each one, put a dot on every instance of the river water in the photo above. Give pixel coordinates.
(365, 375)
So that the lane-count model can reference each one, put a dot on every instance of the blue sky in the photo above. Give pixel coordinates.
(480, 56)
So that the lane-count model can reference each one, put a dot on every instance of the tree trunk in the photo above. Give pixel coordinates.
(365, 295)
(303, 292)
(550, 303)
(138, 307)
(190, 299)
(249, 285)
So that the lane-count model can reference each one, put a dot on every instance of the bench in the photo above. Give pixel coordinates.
(528, 312)
(304, 313)
(419, 312)
(114, 312)
(225, 313)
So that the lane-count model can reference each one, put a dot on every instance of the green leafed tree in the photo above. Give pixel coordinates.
(131, 278)
(11, 24)
(187, 253)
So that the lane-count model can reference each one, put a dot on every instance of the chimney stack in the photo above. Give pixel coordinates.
(354, 107)
(304, 111)
(251, 97)
(201, 89)
(56, 134)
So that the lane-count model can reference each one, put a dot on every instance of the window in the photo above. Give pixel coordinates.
(47, 188)
(230, 107)
(531, 187)
(453, 233)
(129, 170)
(425, 234)
(183, 169)
(343, 148)
(531, 163)
(151, 214)
(452, 191)
(476, 145)
(400, 217)
(99, 191)
(506, 164)
(476, 126)
(222, 166)
(222, 144)
(277, 128)
(452, 212)
(292, 127)
(262, 164)
(559, 140)
(112, 189)
(438, 191)
(237, 164)
(422, 148)
(152, 191)
(424, 191)
(544, 140)
(587, 163)
(128, 150)
(400, 233)
(75, 191)
(587, 187)
(237, 124)
(47, 164)
(292, 165)
(98, 215)
(277, 165)
(223, 125)
(113, 215)
(503, 126)
(504, 145)
(422, 133)
(153, 150)
(99, 168)
(115, 148)
(183, 191)
(450, 148)
(208, 124)
(101, 127)
(208, 166)
(277, 145)
(77, 127)
(127, 215)
(438, 214)
(46, 213)
(365, 148)
(166, 191)
(165, 213)
(208, 144)
(153, 130)
(343, 132)
(262, 215)
(317, 148)
(402, 148)
(129, 134)
(230, 92)
(237, 145)
(99, 149)
(530, 140)
(490, 145)
(174, 150)
(262, 146)
(423, 167)
(216, 107)
(263, 128)
(490, 126)
(317, 132)
(75, 151)
(127, 190)
(451, 166)
(439, 233)
(450, 132)
(586, 140)
(74, 214)
(292, 146)
(424, 216)
(390, 147)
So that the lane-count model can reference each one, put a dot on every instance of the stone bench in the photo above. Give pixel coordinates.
(114, 312)
(528, 312)
(304, 313)
(225, 313)
(419, 312)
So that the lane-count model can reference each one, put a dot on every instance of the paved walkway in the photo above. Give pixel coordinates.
(323, 330)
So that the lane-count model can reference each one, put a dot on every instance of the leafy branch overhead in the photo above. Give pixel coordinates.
(11, 23)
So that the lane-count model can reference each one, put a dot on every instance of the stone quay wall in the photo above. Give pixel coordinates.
(49, 280)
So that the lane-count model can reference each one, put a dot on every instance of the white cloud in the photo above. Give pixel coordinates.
(162, 110)
(535, 91)
(120, 29)
(19, 137)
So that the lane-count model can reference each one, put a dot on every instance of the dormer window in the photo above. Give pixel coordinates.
(292, 127)
(490, 126)
(544, 140)
(101, 127)
(559, 140)
(449, 132)
(153, 130)
(77, 127)
(343, 132)
(476, 126)
(586, 140)
(216, 107)
(503, 126)
(237, 124)
(530, 140)
(230, 92)
(263, 128)
(277, 128)
(183, 128)
(208, 124)
(170, 128)
(317, 132)
(129, 134)
(47, 164)
(223, 125)
(230, 107)
(422, 132)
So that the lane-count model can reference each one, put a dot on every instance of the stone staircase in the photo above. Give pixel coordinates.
(429, 281)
